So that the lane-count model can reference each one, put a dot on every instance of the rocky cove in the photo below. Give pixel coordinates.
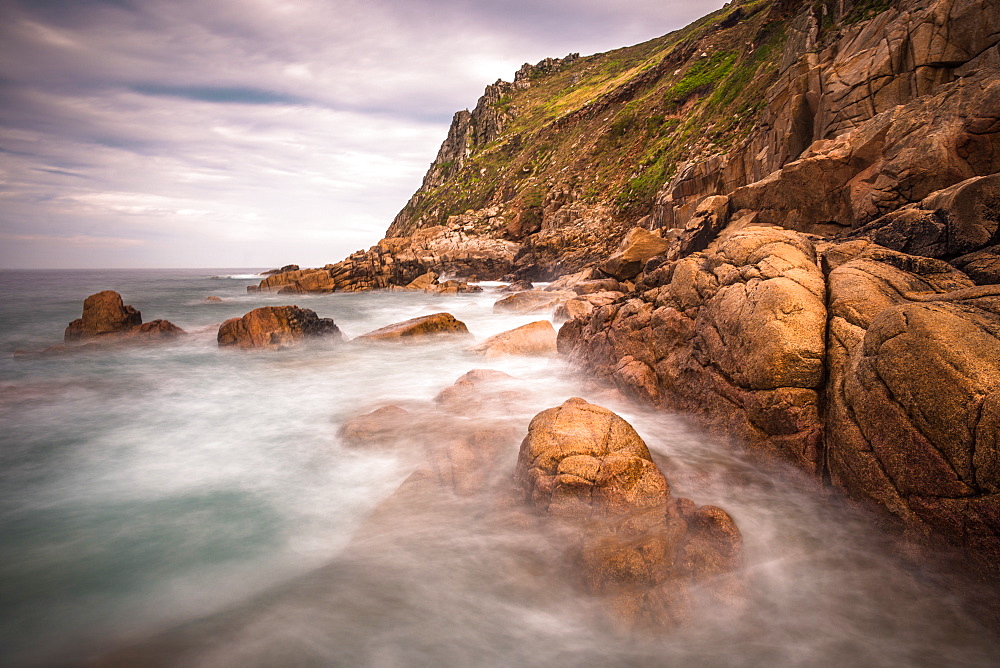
(795, 244)
(689, 351)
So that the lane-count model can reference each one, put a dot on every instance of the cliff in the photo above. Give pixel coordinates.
(823, 180)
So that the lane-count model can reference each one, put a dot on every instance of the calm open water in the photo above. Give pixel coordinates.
(144, 489)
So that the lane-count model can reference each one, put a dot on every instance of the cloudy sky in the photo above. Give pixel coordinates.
(252, 133)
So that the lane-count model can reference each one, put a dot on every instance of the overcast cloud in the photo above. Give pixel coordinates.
(252, 133)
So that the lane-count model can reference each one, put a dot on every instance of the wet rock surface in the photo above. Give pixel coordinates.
(106, 319)
(274, 327)
(535, 338)
(437, 324)
(639, 547)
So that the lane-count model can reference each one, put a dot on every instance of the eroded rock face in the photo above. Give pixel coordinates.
(914, 386)
(536, 338)
(275, 327)
(396, 262)
(735, 334)
(583, 465)
(436, 324)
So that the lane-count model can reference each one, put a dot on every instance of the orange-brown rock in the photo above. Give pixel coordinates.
(535, 338)
(275, 327)
(533, 301)
(480, 391)
(380, 428)
(437, 324)
(638, 246)
(637, 545)
(103, 313)
(734, 334)
(106, 319)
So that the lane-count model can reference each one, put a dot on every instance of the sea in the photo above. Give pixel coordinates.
(147, 489)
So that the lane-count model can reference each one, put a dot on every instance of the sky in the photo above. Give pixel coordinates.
(252, 133)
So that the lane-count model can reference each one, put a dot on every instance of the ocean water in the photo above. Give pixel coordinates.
(183, 505)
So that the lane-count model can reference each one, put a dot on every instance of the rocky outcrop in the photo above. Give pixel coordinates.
(735, 333)
(457, 249)
(926, 71)
(107, 319)
(864, 366)
(535, 338)
(103, 313)
(273, 327)
(436, 324)
(914, 381)
(636, 545)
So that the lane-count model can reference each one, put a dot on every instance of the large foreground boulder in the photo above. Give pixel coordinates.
(436, 324)
(107, 319)
(643, 549)
(275, 327)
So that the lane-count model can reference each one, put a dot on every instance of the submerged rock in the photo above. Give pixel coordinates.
(480, 391)
(275, 327)
(533, 301)
(379, 428)
(535, 338)
(437, 324)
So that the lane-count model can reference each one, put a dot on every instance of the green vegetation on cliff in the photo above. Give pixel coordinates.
(611, 128)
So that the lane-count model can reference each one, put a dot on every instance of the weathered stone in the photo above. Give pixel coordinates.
(423, 281)
(914, 363)
(380, 428)
(536, 338)
(275, 327)
(437, 324)
(103, 313)
(636, 248)
(736, 335)
(955, 221)
(533, 301)
(581, 464)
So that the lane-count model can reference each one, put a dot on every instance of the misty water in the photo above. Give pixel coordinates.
(197, 503)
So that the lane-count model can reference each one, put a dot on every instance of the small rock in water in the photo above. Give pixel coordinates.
(382, 427)
(536, 338)
(275, 327)
(416, 328)
(106, 319)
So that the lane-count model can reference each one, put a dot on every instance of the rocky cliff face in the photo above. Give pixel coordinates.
(822, 184)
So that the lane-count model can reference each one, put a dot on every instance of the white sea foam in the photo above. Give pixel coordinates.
(145, 487)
